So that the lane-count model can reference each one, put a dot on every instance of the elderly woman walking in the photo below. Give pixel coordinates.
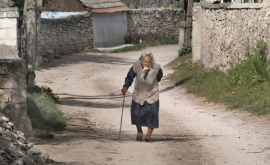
(145, 98)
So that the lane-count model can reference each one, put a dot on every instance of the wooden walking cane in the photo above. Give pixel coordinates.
(121, 118)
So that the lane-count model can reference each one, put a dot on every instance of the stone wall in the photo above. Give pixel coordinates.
(75, 33)
(65, 35)
(13, 93)
(154, 23)
(8, 33)
(147, 4)
(226, 31)
(141, 4)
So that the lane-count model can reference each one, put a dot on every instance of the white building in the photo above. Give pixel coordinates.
(8, 32)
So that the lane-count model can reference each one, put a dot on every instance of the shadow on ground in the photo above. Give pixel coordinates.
(87, 100)
(85, 58)
(69, 163)
(109, 135)
(90, 97)
(93, 104)
(77, 100)
(175, 85)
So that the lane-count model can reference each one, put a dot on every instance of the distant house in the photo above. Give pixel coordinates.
(109, 18)
(64, 6)
(109, 21)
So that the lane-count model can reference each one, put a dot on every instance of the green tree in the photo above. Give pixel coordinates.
(20, 3)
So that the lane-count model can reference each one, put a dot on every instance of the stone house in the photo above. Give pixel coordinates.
(64, 6)
(109, 18)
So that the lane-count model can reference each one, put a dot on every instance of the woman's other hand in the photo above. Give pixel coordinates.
(124, 90)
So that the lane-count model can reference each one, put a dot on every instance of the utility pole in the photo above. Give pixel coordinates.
(188, 35)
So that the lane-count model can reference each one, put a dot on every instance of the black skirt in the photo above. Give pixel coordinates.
(145, 115)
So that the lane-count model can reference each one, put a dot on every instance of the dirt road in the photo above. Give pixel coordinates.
(192, 132)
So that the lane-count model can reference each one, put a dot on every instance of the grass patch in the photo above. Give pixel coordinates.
(44, 90)
(43, 111)
(245, 85)
(184, 50)
(91, 50)
(38, 68)
(140, 44)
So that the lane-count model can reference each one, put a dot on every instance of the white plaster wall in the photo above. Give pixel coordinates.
(8, 38)
(8, 31)
(196, 33)
(226, 31)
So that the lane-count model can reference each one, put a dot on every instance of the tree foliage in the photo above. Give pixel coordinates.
(20, 3)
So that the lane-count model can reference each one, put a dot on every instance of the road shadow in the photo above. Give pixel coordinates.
(68, 163)
(92, 104)
(90, 101)
(85, 100)
(110, 135)
(64, 96)
(86, 58)
(175, 85)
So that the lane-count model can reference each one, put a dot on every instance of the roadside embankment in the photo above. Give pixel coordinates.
(15, 149)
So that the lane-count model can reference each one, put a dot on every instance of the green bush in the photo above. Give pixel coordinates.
(245, 86)
(44, 90)
(44, 113)
(184, 50)
(253, 70)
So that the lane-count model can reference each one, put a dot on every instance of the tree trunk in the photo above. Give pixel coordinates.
(189, 23)
(31, 41)
(23, 33)
(38, 20)
(39, 11)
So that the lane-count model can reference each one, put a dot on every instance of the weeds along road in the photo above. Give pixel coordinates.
(192, 132)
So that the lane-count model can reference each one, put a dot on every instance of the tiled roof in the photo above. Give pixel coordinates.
(105, 6)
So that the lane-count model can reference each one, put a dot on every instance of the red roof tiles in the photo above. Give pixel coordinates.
(105, 6)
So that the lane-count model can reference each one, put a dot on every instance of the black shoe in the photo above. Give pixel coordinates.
(139, 137)
(148, 140)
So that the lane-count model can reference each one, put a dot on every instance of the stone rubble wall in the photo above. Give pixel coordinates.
(15, 149)
(13, 93)
(65, 35)
(147, 4)
(227, 30)
(154, 23)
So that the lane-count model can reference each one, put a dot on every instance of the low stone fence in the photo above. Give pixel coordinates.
(227, 30)
(154, 23)
(65, 35)
(13, 93)
(148, 4)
